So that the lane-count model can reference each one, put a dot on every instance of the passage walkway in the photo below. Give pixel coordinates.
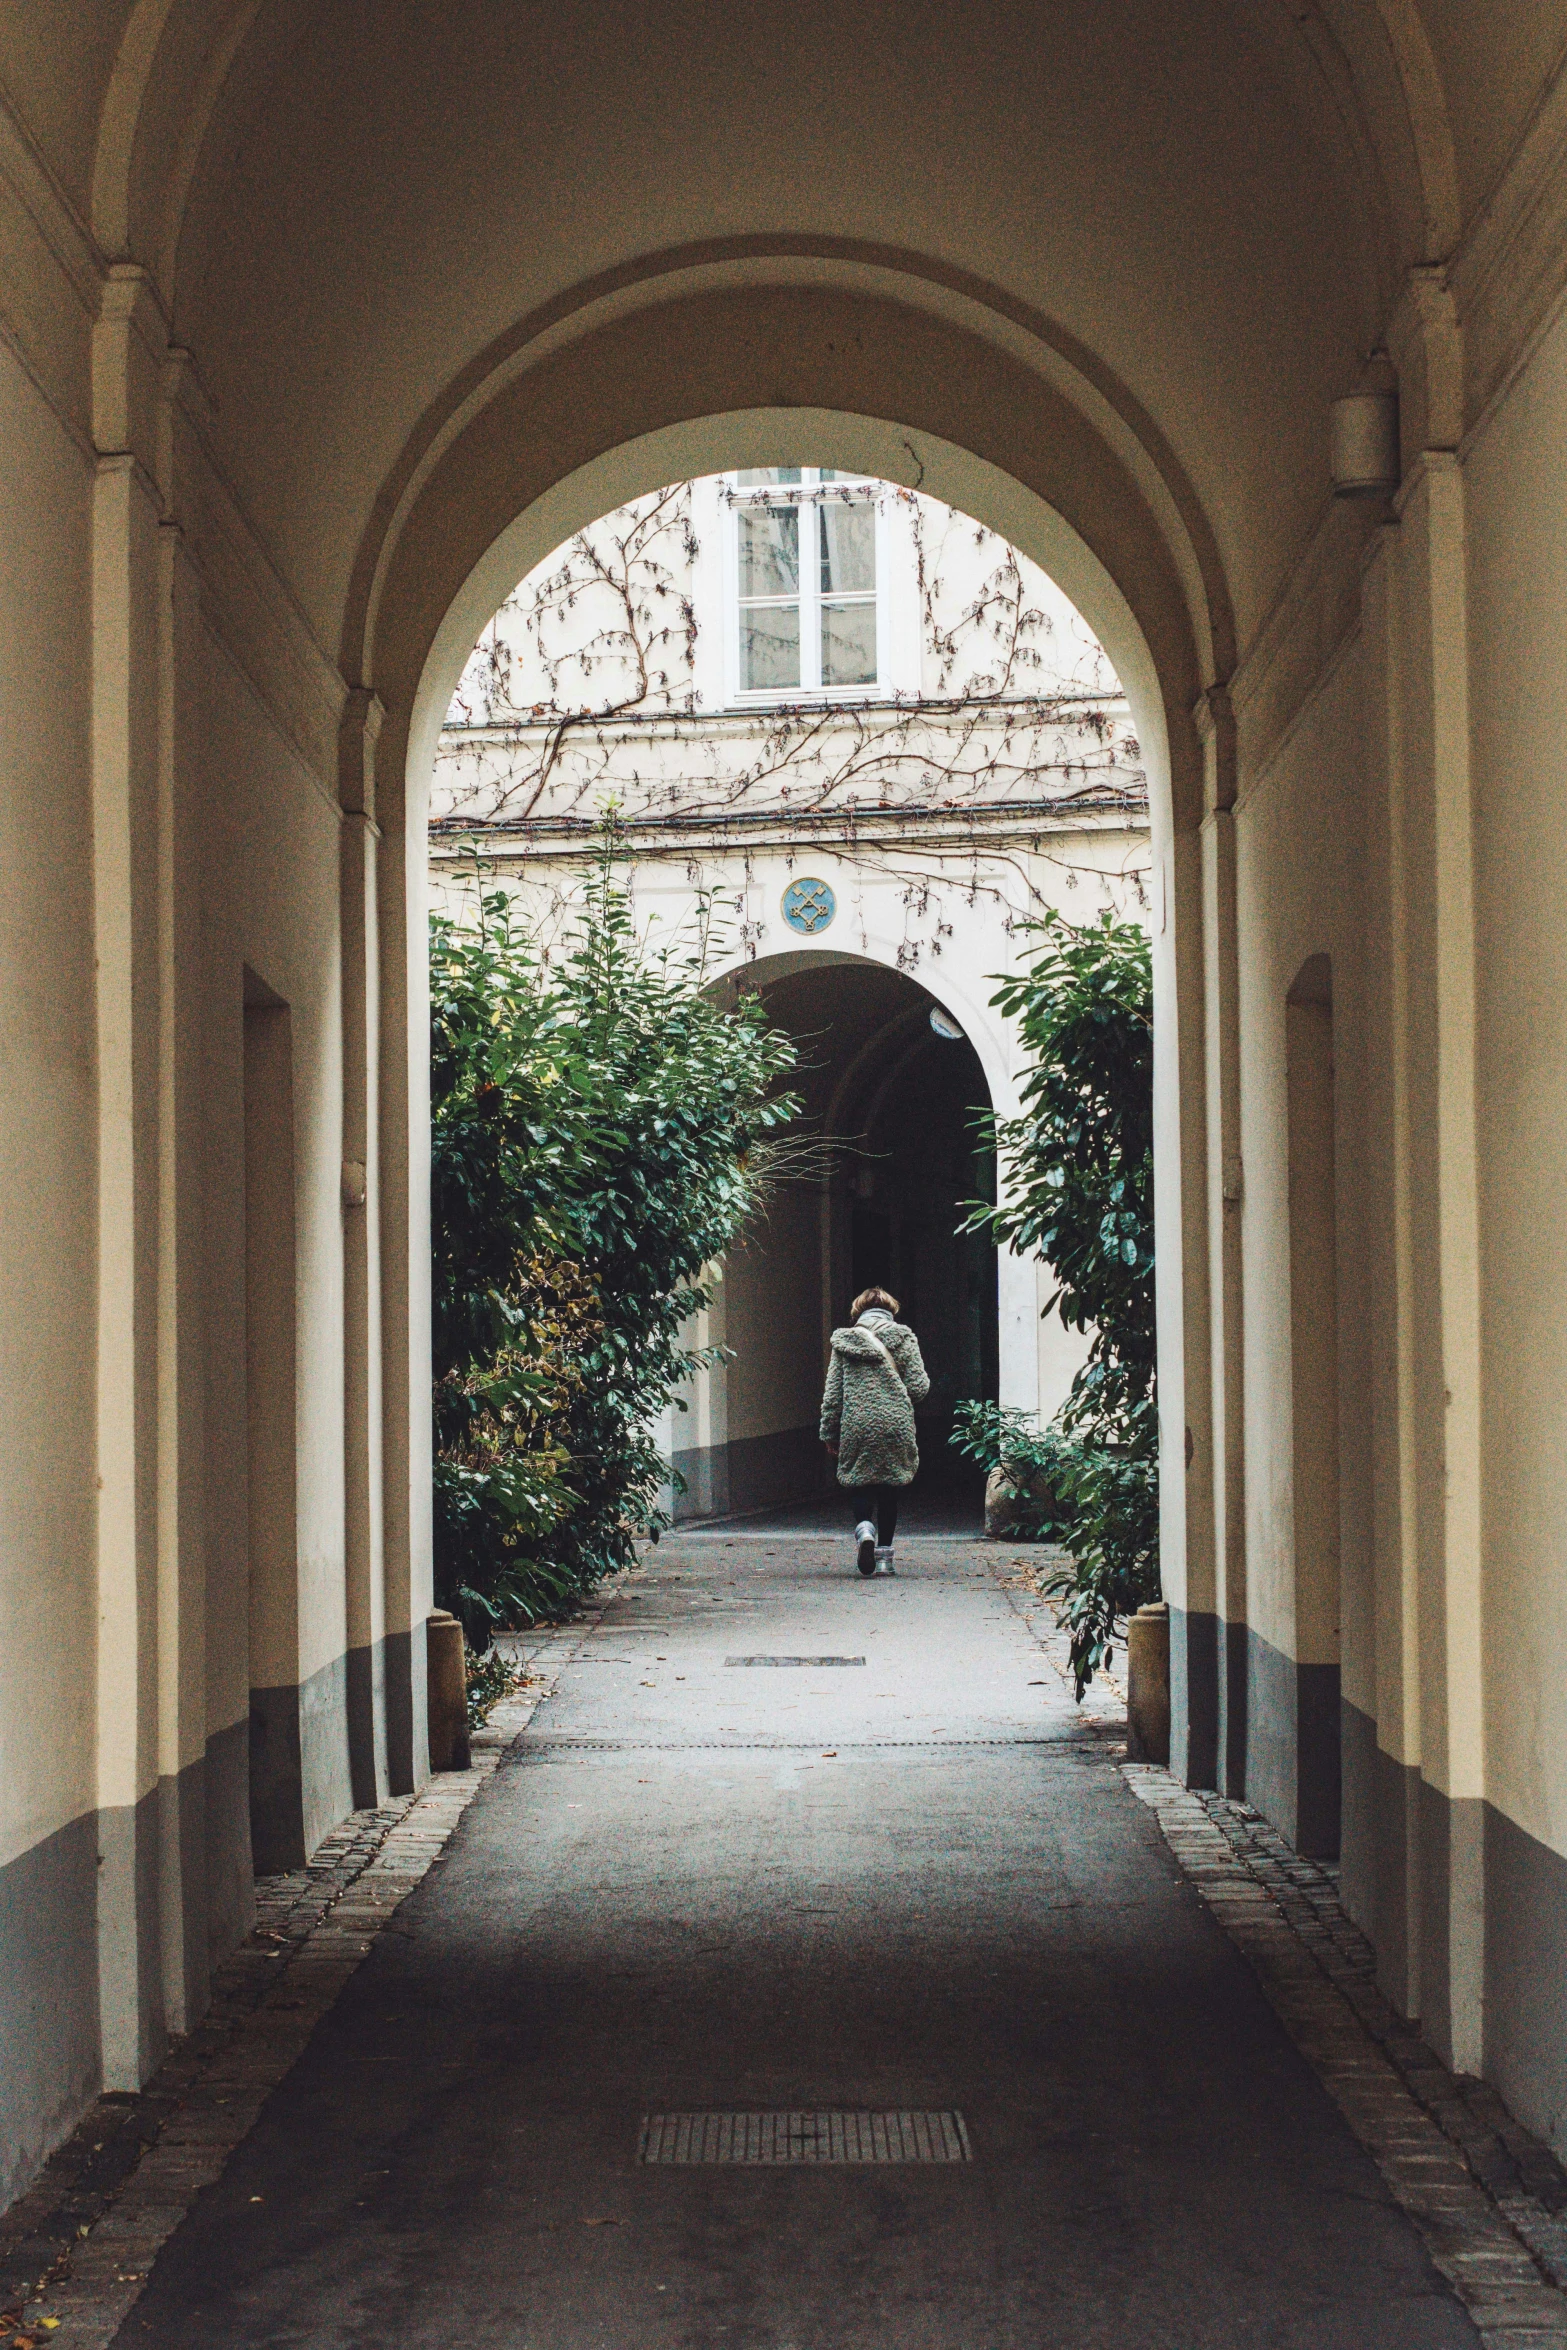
(917, 1883)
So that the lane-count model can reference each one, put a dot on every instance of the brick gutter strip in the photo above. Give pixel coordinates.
(1487, 2197)
(1489, 2200)
(76, 2249)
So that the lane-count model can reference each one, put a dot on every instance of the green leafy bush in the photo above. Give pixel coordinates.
(1036, 1462)
(594, 1125)
(1078, 1163)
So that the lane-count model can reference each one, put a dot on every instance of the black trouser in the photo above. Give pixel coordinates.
(879, 1503)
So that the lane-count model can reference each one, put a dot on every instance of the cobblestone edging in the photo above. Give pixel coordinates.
(1489, 2200)
(76, 2249)
(1485, 2196)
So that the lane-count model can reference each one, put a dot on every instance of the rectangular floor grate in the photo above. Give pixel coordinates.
(794, 1660)
(803, 2137)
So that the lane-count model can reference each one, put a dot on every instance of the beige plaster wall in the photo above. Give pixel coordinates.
(1299, 854)
(48, 1130)
(50, 2061)
(271, 860)
(1517, 519)
(1031, 313)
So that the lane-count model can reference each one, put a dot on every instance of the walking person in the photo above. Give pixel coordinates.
(875, 1377)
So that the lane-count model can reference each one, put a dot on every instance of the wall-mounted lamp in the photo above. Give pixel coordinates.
(943, 1025)
(1365, 453)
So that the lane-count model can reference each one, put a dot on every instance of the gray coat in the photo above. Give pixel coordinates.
(875, 1377)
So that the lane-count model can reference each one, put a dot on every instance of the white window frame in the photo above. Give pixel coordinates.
(805, 495)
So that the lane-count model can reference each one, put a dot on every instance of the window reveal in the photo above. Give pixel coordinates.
(806, 586)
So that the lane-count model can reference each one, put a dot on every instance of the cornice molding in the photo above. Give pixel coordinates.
(245, 601)
(1482, 315)
(64, 232)
(1317, 610)
(46, 252)
(1510, 272)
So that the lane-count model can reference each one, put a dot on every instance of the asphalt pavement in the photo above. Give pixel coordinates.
(909, 1882)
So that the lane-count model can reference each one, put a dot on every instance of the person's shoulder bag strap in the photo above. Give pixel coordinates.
(890, 1360)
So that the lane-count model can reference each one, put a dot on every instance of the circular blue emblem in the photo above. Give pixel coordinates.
(808, 906)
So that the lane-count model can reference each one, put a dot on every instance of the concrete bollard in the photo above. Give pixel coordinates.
(448, 1686)
(1148, 1685)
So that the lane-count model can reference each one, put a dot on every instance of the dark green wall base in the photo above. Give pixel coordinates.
(301, 1780)
(407, 1712)
(266, 1789)
(1194, 1698)
(1381, 1817)
(366, 1687)
(190, 1832)
(1250, 1720)
(48, 1997)
(1410, 1848)
(1294, 1770)
(1526, 1976)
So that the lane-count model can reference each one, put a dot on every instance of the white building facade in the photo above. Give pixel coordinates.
(885, 742)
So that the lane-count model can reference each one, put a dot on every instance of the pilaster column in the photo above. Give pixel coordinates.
(182, 1527)
(136, 1711)
(403, 1194)
(1215, 719)
(1187, 1468)
(1382, 1863)
(1440, 1383)
(365, 1551)
(1435, 1176)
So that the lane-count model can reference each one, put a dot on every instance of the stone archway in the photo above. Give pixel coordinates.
(697, 381)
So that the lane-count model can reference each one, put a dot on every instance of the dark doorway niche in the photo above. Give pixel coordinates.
(902, 1098)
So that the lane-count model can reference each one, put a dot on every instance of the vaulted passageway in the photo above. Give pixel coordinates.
(321, 323)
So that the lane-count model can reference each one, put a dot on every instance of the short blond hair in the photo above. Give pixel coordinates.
(872, 1297)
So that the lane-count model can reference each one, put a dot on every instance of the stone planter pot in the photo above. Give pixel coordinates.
(447, 1667)
(1006, 1499)
(1148, 1685)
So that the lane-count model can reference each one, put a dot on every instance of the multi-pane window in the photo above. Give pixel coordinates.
(806, 581)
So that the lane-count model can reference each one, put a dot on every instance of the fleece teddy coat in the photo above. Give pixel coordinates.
(875, 1377)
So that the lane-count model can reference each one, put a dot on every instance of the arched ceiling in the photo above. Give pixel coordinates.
(810, 349)
(385, 192)
(362, 217)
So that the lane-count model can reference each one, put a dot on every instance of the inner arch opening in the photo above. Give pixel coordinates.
(883, 740)
(884, 1066)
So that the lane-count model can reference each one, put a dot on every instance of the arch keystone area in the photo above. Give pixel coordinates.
(722, 352)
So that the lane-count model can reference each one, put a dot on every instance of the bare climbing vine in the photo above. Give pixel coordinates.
(583, 695)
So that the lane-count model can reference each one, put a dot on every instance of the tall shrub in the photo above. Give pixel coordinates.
(599, 1130)
(1078, 1163)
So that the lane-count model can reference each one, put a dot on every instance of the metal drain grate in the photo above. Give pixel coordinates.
(794, 1660)
(772, 2138)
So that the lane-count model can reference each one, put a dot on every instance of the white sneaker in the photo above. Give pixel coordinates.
(865, 1554)
(884, 1565)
